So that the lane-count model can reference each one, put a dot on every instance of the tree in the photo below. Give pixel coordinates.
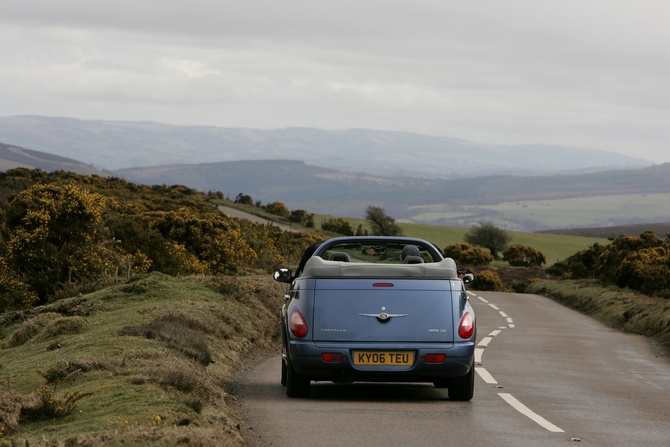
(382, 225)
(489, 236)
(519, 255)
(244, 199)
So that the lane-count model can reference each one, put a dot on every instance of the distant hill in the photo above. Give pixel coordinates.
(16, 157)
(120, 145)
(321, 190)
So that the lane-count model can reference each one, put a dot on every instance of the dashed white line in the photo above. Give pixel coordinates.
(478, 355)
(521, 408)
(485, 342)
(485, 375)
(488, 378)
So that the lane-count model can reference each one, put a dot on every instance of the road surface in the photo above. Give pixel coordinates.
(232, 212)
(546, 376)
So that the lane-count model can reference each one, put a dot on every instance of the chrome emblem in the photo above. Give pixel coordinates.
(383, 317)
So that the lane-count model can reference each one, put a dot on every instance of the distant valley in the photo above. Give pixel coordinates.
(365, 168)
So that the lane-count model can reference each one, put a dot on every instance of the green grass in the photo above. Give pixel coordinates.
(554, 247)
(145, 389)
(560, 213)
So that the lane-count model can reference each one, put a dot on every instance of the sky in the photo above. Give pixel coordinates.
(579, 73)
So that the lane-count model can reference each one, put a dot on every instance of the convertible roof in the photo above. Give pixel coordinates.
(317, 267)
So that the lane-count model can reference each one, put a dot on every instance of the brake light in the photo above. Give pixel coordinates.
(298, 325)
(434, 358)
(332, 357)
(467, 326)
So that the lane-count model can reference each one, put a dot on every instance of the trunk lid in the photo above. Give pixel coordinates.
(381, 310)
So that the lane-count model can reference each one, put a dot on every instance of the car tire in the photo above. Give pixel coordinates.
(297, 385)
(283, 372)
(283, 363)
(463, 388)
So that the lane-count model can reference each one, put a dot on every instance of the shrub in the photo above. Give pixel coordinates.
(278, 209)
(51, 406)
(488, 280)
(640, 263)
(466, 254)
(519, 255)
(14, 293)
(338, 225)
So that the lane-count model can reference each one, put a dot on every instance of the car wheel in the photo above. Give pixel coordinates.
(283, 364)
(463, 388)
(297, 385)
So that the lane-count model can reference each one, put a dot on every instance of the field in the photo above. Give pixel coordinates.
(600, 211)
(555, 247)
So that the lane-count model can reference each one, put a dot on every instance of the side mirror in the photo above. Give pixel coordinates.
(283, 275)
(466, 275)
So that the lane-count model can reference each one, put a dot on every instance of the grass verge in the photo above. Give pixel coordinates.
(149, 362)
(622, 309)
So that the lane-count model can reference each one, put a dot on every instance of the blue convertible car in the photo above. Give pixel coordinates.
(375, 309)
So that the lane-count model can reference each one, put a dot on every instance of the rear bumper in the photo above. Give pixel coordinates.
(307, 361)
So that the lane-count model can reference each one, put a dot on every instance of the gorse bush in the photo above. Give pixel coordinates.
(519, 255)
(467, 255)
(640, 263)
(64, 232)
(338, 225)
(487, 280)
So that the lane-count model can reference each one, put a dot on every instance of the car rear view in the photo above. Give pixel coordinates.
(372, 318)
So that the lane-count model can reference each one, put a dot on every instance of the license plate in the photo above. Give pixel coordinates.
(384, 358)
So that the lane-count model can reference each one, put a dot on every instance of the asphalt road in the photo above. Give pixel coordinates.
(232, 212)
(547, 376)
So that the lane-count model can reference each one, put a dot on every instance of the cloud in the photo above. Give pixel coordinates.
(582, 73)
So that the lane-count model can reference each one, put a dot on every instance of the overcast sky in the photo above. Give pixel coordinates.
(582, 73)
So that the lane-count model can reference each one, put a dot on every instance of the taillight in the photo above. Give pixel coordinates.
(434, 358)
(467, 326)
(298, 325)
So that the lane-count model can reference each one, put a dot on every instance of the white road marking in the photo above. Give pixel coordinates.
(478, 355)
(521, 408)
(494, 333)
(494, 306)
(485, 375)
(479, 297)
(503, 314)
(485, 342)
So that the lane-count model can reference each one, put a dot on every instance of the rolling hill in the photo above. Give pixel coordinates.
(505, 200)
(415, 178)
(113, 145)
(16, 157)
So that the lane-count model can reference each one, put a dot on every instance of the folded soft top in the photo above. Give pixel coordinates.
(317, 267)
